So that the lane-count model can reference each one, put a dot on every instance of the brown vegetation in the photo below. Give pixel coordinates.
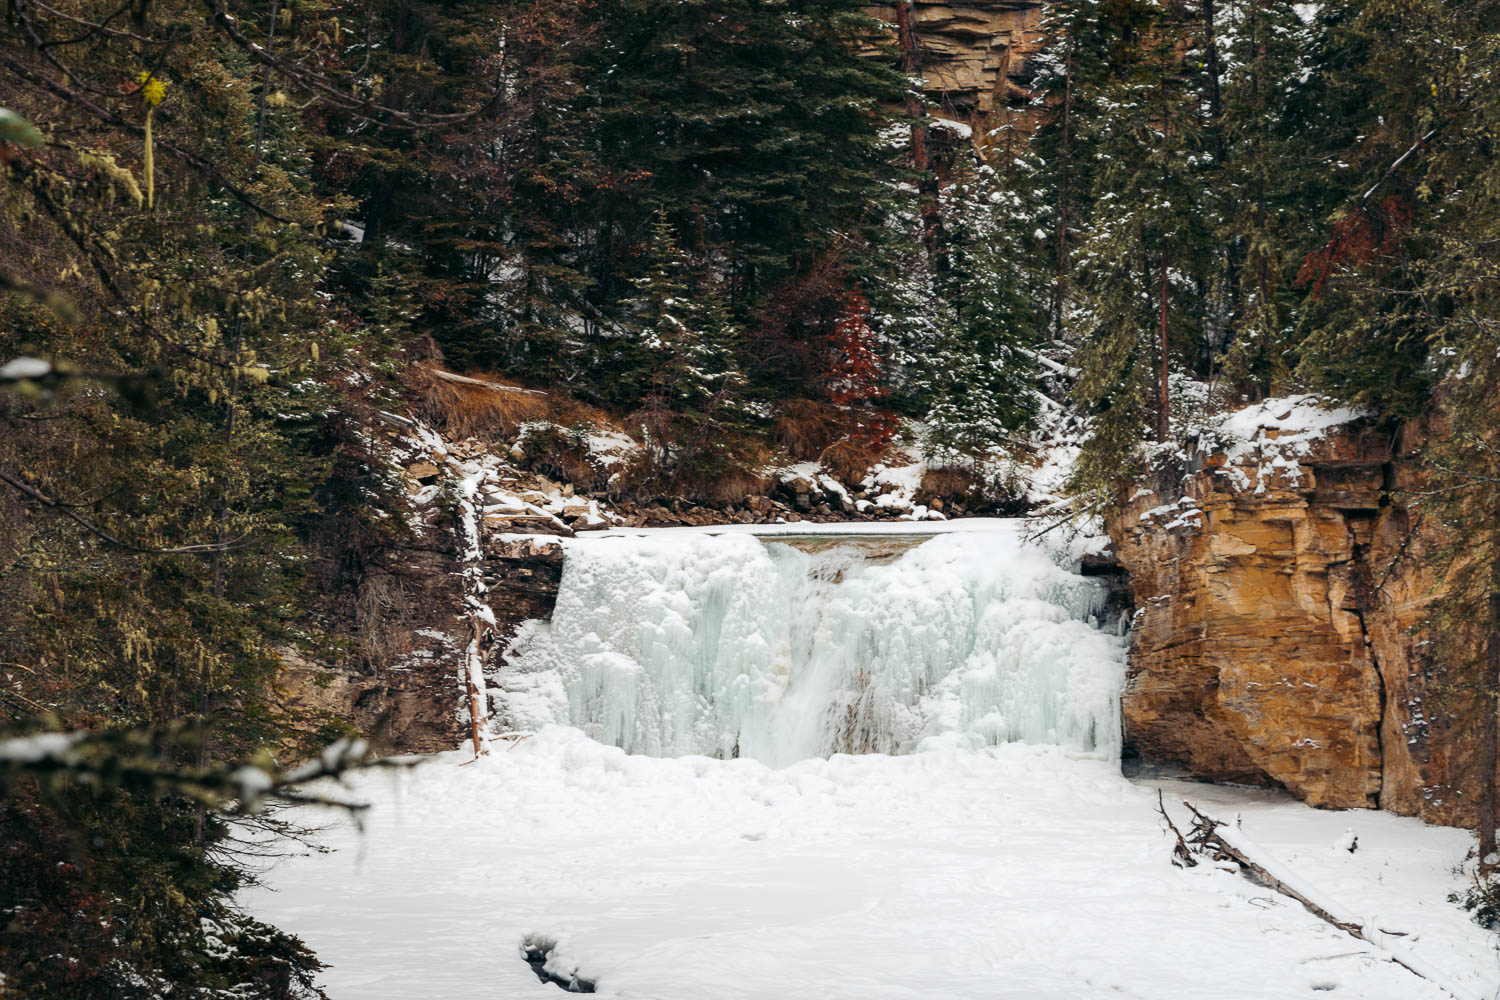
(849, 460)
(950, 481)
(473, 409)
(806, 427)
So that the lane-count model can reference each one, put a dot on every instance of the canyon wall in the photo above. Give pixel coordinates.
(975, 59)
(1280, 633)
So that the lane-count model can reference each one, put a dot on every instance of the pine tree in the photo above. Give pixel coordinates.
(1140, 295)
(1267, 169)
(1449, 260)
(975, 377)
(158, 551)
(1087, 45)
(681, 355)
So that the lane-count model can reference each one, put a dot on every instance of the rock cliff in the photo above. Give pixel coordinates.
(1280, 632)
(975, 57)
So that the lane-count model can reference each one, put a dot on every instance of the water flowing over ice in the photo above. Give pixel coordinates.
(679, 643)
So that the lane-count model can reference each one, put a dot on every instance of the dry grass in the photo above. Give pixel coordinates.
(850, 461)
(463, 410)
(805, 428)
(950, 482)
(734, 485)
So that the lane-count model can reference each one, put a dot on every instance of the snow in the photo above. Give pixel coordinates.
(1395, 885)
(1010, 872)
(1305, 414)
(40, 747)
(728, 645)
(821, 528)
(1271, 436)
(608, 447)
(897, 487)
(19, 368)
(971, 869)
(962, 129)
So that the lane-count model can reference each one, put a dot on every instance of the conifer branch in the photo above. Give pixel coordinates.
(319, 86)
(89, 526)
(208, 170)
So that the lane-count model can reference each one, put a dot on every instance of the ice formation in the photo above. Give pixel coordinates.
(677, 643)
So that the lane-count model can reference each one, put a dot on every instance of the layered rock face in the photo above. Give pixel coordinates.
(1282, 600)
(974, 56)
(407, 699)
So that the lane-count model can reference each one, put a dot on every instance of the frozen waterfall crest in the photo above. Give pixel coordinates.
(730, 645)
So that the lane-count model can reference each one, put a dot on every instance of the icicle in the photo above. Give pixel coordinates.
(727, 646)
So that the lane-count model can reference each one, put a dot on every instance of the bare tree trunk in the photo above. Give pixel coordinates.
(479, 718)
(1162, 423)
(927, 183)
(1215, 102)
(1059, 288)
(1489, 735)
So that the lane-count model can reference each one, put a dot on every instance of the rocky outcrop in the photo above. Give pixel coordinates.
(1280, 632)
(404, 692)
(975, 57)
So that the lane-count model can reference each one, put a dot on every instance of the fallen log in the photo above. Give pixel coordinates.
(482, 383)
(1224, 842)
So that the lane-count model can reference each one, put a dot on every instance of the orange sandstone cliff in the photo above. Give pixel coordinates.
(1281, 628)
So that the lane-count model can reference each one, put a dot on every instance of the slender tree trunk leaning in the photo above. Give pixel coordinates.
(1059, 288)
(1489, 736)
(479, 718)
(921, 157)
(1164, 400)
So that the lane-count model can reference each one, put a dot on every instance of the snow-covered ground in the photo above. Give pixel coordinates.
(1011, 872)
(959, 872)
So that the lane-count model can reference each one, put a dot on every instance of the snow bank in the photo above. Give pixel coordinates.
(1011, 873)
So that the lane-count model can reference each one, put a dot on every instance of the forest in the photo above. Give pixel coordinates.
(232, 234)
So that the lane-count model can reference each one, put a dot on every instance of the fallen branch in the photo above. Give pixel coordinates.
(1182, 855)
(1047, 362)
(482, 383)
(1224, 842)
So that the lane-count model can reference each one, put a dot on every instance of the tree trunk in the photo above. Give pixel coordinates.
(1059, 288)
(479, 718)
(1215, 102)
(1489, 730)
(927, 183)
(1162, 423)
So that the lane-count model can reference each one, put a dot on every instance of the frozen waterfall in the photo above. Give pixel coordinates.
(678, 642)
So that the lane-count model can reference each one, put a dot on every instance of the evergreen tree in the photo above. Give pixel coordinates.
(1140, 300)
(1268, 166)
(975, 379)
(1427, 275)
(681, 354)
(160, 531)
(1364, 335)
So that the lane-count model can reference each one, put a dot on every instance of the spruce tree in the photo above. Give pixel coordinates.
(679, 353)
(1268, 167)
(975, 377)
(1141, 254)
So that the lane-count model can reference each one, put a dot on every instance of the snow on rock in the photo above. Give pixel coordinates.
(40, 747)
(24, 368)
(1261, 444)
(1009, 873)
(723, 644)
(609, 448)
(896, 488)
